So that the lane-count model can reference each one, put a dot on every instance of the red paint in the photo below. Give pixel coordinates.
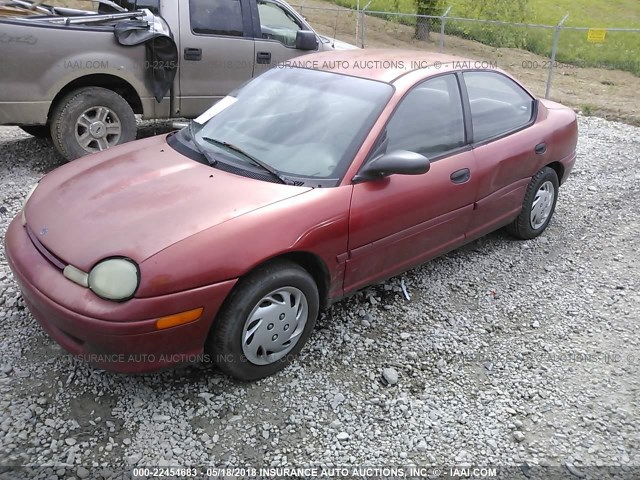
(195, 230)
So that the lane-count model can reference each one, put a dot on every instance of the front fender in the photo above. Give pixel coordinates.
(314, 222)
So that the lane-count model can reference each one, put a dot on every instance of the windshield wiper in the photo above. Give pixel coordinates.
(253, 159)
(212, 161)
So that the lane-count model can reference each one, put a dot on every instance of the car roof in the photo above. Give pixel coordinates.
(380, 64)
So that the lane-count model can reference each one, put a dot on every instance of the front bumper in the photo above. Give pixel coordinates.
(122, 339)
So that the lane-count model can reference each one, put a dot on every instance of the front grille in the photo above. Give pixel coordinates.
(53, 260)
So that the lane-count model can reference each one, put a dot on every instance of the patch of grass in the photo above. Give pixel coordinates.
(588, 109)
(609, 13)
(619, 51)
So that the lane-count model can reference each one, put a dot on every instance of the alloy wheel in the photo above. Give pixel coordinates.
(97, 129)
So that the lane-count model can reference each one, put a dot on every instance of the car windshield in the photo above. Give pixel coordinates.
(301, 123)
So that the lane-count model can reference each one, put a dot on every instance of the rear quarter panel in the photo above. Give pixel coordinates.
(560, 126)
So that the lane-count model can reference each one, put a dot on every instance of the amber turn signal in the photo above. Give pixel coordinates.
(179, 318)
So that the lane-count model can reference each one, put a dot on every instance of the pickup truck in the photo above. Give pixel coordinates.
(81, 77)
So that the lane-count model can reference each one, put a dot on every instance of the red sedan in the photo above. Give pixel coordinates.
(227, 237)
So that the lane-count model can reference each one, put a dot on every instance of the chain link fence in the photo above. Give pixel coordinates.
(559, 49)
(332, 22)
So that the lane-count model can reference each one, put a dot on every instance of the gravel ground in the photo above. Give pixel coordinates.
(507, 353)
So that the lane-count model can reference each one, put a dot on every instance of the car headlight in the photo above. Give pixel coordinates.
(115, 279)
(24, 203)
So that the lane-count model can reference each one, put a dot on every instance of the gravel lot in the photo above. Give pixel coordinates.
(508, 353)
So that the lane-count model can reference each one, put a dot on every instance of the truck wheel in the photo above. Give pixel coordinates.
(38, 131)
(89, 120)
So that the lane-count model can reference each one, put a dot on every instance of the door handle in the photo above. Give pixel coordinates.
(263, 57)
(193, 54)
(541, 148)
(460, 176)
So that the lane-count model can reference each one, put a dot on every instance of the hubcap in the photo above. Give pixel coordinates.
(275, 325)
(542, 205)
(97, 129)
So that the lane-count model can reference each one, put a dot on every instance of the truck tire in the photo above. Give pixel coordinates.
(91, 119)
(38, 131)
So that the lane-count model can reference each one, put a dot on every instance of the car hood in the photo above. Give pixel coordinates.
(136, 200)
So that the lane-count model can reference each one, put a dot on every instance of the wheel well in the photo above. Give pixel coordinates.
(110, 82)
(316, 268)
(559, 169)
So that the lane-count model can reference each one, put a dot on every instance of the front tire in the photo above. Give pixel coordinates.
(538, 206)
(89, 120)
(265, 321)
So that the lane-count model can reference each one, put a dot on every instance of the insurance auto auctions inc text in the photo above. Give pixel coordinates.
(352, 472)
(386, 64)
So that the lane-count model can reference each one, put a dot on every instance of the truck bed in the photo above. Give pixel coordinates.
(90, 44)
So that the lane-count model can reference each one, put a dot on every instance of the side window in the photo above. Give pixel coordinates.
(216, 17)
(277, 24)
(429, 119)
(498, 104)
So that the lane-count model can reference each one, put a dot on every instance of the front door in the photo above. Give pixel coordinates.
(404, 220)
(217, 52)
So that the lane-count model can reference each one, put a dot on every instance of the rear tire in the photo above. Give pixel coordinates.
(538, 206)
(38, 131)
(90, 120)
(265, 321)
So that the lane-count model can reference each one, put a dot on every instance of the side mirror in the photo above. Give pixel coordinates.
(399, 161)
(306, 40)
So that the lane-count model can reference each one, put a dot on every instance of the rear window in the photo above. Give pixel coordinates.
(498, 104)
(216, 17)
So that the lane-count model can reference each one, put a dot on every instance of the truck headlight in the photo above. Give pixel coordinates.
(115, 279)
(24, 203)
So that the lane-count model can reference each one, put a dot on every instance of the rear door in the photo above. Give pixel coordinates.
(276, 29)
(403, 220)
(217, 51)
(507, 145)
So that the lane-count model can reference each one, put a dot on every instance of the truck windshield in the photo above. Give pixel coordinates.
(300, 122)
